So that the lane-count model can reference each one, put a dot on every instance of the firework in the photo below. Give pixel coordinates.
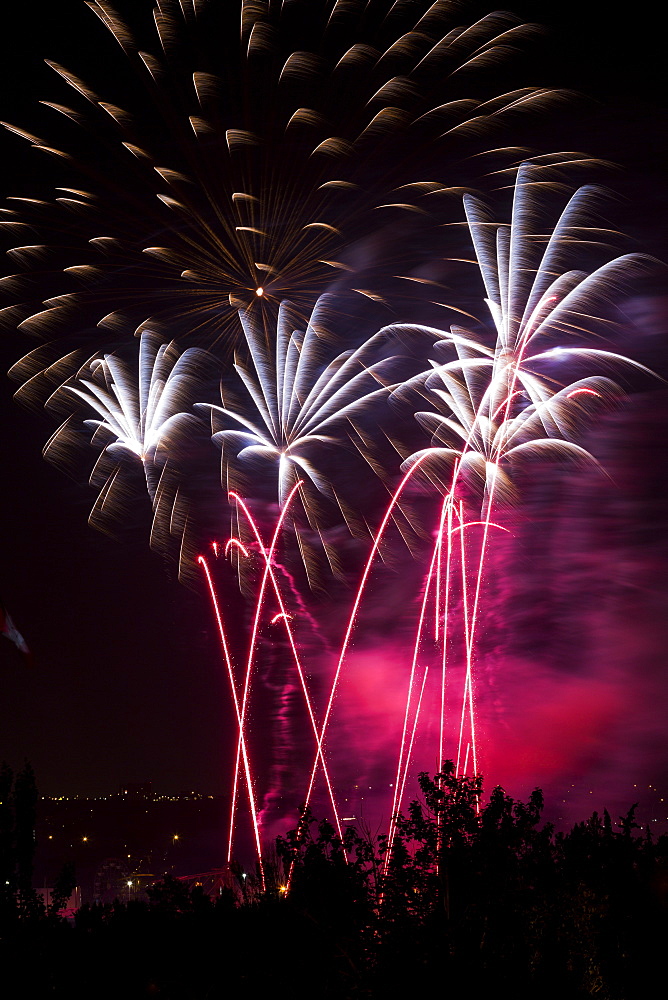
(300, 407)
(142, 419)
(493, 409)
(263, 171)
(505, 404)
(496, 407)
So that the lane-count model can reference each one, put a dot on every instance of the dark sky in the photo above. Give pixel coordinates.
(127, 683)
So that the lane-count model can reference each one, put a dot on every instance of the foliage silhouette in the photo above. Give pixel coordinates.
(473, 894)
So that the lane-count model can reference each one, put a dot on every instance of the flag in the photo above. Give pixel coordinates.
(10, 631)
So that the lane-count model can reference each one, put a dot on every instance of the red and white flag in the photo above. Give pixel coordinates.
(10, 631)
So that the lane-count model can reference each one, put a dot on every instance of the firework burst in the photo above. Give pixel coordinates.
(259, 172)
(141, 420)
(300, 411)
(497, 407)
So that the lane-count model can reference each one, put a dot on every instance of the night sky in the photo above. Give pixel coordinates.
(126, 682)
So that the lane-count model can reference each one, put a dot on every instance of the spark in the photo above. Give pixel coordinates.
(281, 616)
(580, 392)
(235, 543)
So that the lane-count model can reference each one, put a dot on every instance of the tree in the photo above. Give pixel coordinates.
(18, 816)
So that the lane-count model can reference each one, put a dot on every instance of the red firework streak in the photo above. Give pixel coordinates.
(437, 590)
(242, 698)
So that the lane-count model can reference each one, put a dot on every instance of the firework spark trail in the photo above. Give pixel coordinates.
(244, 752)
(233, 543)
(353, 616)
(409, 753)
(304, 613)
(434, 572)
(286, 618)
(404, 755)
(439, 546)
(467, 620)
(445, 526)
(471, 625)
(450, 503)
(468, 686)
(444, 654)
(447, 506)
(253, 638)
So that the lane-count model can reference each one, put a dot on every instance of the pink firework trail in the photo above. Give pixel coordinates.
(230, 673)
(241, 706)
(269, 554)
(352, 619)
(287, 618)
(241, 698)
